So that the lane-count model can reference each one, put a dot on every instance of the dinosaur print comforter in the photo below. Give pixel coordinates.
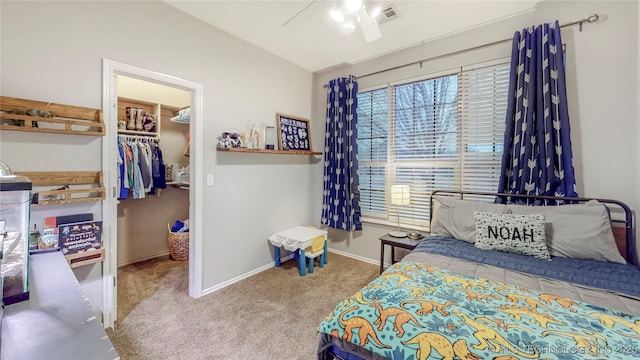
(416, 311)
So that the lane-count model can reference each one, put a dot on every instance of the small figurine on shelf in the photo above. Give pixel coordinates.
(230, 139)
(244, 140)
(255, 137)
(149, 122)
(122, 124)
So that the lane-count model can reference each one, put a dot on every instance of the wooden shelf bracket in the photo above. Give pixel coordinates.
(51, 118)
(85, 258)
(68, 186)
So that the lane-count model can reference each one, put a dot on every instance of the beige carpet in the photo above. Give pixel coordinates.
(271, 315)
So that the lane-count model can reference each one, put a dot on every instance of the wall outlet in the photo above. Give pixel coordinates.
(209, 179)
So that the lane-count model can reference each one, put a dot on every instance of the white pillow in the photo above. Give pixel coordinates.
(521, 234)
(577, 231)
(454, 218)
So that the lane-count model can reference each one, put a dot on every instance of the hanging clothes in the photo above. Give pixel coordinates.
(144, 161)
(157, 168)
(137, 188)
(188, 147)
(140, 167)
(129, 167)
(123, 192)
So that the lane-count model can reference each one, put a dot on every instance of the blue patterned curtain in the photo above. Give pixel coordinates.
(537, 157)
(341, 197)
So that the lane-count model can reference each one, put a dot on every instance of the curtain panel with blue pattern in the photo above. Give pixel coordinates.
(341, 196)
(537, 157)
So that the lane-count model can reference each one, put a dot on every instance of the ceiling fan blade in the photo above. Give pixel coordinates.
(369, 27)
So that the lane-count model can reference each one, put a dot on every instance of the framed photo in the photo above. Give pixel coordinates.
(294, 133)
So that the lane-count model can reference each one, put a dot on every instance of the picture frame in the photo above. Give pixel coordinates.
(80, 237)
(294, 133)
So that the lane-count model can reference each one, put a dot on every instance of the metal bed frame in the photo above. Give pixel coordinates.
(628, 218)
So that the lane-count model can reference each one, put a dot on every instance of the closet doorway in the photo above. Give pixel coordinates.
(138, 221)
(151, 129)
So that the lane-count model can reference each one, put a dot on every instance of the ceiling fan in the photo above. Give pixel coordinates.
(348, 13)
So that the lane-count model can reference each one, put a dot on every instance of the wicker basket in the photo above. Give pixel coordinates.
(178, 245)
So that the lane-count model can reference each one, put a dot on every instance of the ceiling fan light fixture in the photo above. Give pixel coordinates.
(337, 15)
(353, 6)
(374, 10)
(349, 13)
(348, 26)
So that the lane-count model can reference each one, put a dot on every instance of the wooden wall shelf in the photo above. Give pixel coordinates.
(265, 151)
(66, 119)
(82, 186)
(85, 258)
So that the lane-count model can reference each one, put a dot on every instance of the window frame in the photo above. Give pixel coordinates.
(459, 163)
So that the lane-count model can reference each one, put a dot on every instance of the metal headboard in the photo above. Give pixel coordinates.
(628, 221)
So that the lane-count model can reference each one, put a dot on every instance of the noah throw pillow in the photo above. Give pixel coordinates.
(522, 234)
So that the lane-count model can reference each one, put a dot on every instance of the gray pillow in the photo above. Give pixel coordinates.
(454, 217)
(521, 234)
(577, 231)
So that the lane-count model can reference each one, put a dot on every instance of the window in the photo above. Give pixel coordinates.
(444, 132)
(372, 151)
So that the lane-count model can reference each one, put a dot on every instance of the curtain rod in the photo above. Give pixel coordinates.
(591, 19)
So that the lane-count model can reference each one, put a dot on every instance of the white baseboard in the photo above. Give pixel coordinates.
(243, 276)
(357, 257)
(269, 266)
(164, 253)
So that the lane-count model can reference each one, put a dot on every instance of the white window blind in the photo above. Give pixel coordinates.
(372, 151)
(482, 109)
(440, 133)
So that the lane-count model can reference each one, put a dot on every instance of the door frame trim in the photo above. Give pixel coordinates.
(110, 69)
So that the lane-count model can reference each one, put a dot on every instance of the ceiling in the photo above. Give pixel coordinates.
(312, 40)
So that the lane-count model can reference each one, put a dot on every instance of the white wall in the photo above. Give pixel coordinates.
(53, 51)
(602, 77)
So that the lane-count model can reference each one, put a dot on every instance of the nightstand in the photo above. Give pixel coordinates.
(393, 242)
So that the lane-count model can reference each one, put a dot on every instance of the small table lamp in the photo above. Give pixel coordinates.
(399, 196)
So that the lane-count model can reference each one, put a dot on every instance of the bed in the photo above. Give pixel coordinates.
(500, 281)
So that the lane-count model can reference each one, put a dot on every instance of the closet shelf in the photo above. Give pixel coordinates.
(139, 133)
(179, 185)
(64, 119)
(182, 116)
(70, 186)
(265, 151)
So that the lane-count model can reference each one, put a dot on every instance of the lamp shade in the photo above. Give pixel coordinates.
(400, 194)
